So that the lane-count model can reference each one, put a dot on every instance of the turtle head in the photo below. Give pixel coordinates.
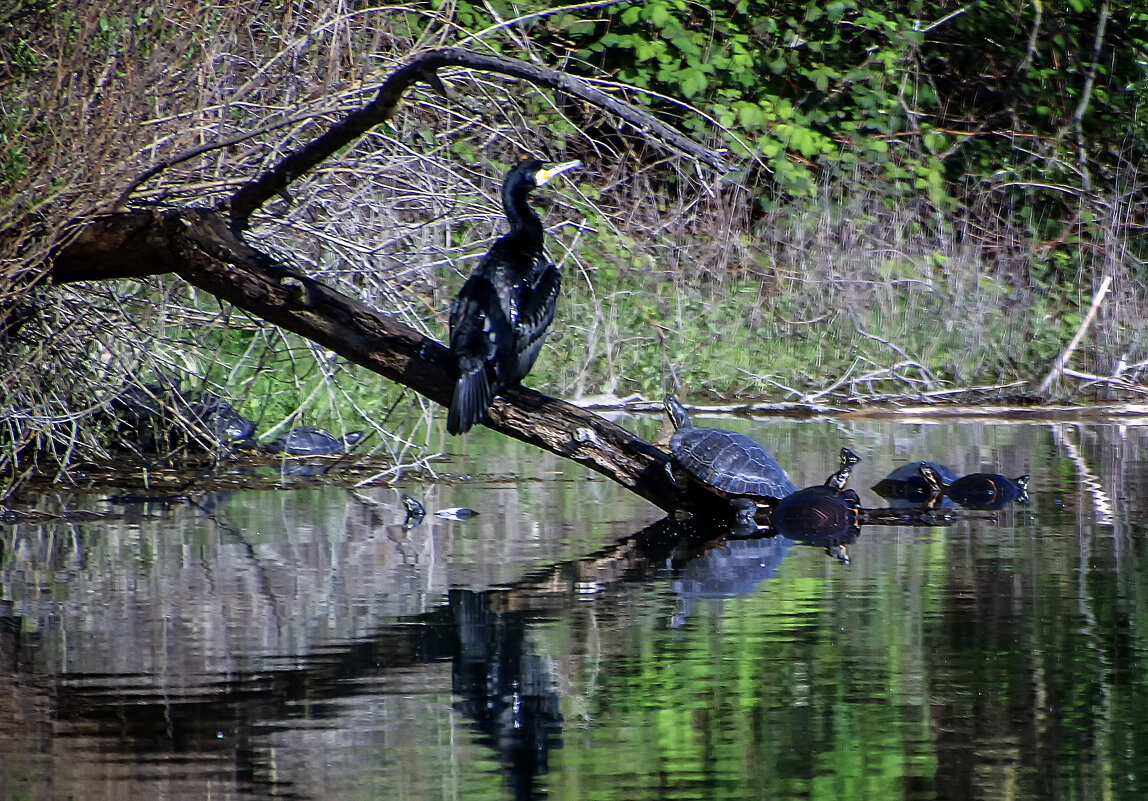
(678, 414)
(932, 478)
(1022, 485)
(840, 479)
(849, 458)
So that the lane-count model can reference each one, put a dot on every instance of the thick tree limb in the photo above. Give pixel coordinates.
(198, 245)
(423, 67)
(204, 247)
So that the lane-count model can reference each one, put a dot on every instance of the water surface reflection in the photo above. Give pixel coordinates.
(567, 643)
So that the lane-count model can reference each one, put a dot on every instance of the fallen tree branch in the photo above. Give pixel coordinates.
(199, 246)
(205, 248)
(1062, 359)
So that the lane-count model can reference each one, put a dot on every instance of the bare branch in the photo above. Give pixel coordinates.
(1086, 96)
(217, 144)
(424, 67)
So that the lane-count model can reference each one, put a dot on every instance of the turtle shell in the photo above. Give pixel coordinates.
(729, 463)
(222, 419)
(987, 491)
(905, 483)
(815, 513)
(307, 441)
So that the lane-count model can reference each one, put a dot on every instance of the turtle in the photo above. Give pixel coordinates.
(980, 491)
(905, 486)
(147, 412)
(456, 513)
(725, 463)
(827, 514)
(415, 512)
(222, 420)
(310, 441)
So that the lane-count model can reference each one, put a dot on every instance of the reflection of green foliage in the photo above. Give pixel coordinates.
(767, 694)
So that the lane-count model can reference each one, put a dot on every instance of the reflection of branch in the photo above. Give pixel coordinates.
(1100, 500)
(424, 67)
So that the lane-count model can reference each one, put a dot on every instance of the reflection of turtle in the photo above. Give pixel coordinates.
(828, 515)
(906, 483)
(724, 462)
(982, 491)
(309, 441)
(735, 568)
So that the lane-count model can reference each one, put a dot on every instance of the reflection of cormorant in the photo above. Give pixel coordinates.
(505, 688)
(499, 319)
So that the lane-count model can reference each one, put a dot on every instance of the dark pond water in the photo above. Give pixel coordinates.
(305, 644)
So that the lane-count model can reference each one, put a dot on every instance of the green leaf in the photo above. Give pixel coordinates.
(658, 14)
(936, 142)
(693, 82)
(751, 116)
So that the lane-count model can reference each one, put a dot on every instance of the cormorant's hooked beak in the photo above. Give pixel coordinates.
(543, 176)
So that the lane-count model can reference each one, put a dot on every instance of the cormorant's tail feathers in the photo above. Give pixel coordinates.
(472, 397)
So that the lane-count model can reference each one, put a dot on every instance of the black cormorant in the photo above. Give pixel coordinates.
(499, 319)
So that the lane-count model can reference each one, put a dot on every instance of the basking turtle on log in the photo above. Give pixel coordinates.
(905, 485)
(311, 441)
(829, 513)
(725, 463)
(980, 491)
(500, 317)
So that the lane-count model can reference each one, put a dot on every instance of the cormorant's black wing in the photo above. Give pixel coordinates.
(479, 332)
(536, 305)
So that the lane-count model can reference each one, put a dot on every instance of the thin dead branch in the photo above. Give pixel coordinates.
(424, 67)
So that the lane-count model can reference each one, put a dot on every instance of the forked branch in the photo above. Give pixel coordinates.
(424, 67)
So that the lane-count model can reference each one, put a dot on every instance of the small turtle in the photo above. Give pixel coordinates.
(221, 419)
(310, 441)
(828, 515)
(456, 513)
(726, 463)
(415, 512)
(906, 483)
(980, 491)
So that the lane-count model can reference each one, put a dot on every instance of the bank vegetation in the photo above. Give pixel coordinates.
(923, 203)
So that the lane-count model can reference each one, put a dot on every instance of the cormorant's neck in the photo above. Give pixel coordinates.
(523, 221)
